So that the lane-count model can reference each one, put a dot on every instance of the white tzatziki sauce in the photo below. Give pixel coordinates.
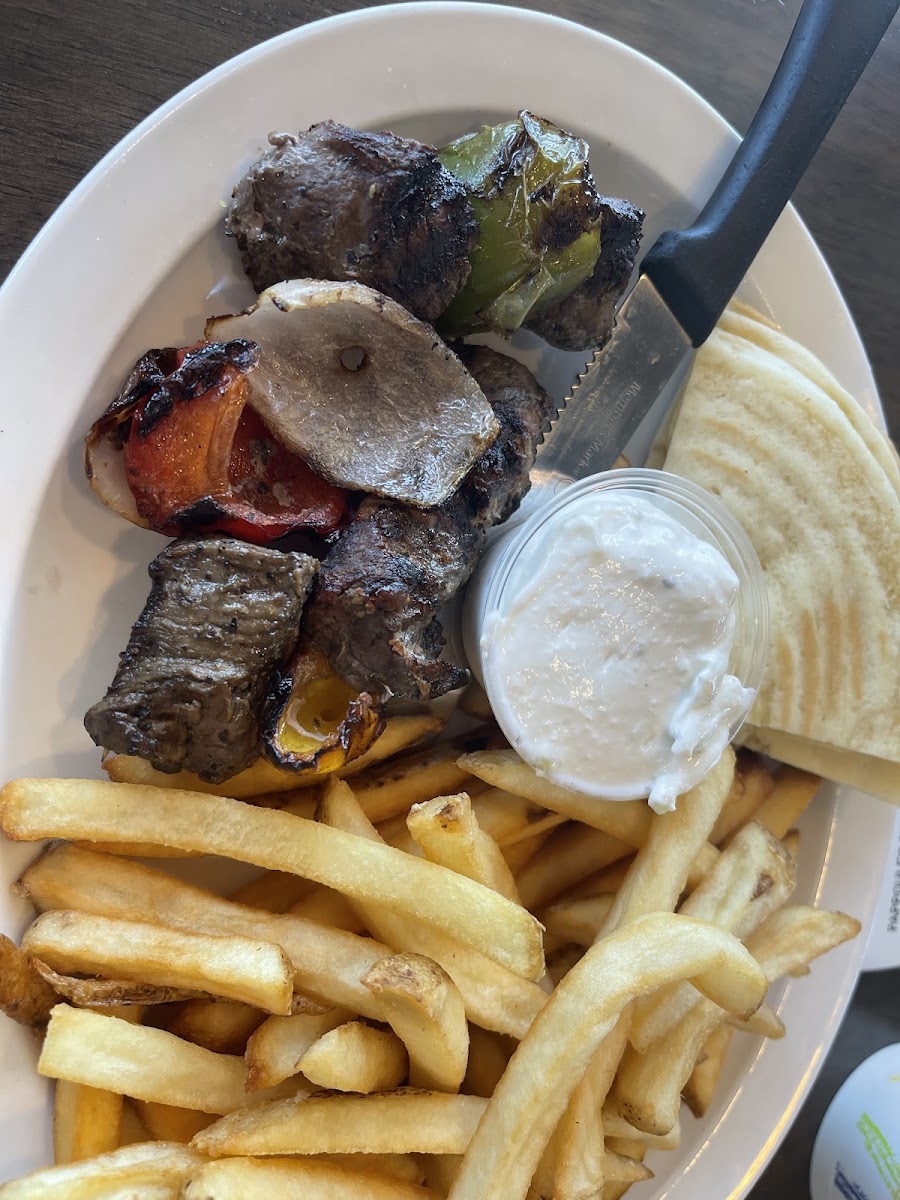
(608, 669)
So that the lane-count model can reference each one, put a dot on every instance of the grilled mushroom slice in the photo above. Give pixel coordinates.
(368, 395)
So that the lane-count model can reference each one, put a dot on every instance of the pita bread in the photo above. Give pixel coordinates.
(817, 488)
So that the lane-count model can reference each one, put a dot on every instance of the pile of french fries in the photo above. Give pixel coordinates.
(451, 978)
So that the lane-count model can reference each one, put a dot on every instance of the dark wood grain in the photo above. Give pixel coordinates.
(76, 76)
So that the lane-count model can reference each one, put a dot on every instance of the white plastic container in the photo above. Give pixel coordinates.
(856, 1155)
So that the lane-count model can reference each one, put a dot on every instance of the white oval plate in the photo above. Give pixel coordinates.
(136, 257)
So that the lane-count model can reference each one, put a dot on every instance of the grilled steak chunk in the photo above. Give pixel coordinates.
(337, 203)
(374, 609)
(221, 616)
(584, 320)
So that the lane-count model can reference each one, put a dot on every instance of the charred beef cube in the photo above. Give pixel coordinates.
(338, 203)
(222, 615)
(374, 612)
(584, 320)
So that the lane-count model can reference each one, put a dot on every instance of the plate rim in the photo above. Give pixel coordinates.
(83, 192)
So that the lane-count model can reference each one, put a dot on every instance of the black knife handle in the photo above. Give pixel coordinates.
(697, 270)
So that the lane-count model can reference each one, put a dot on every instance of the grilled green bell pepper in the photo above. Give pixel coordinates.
(538, 214)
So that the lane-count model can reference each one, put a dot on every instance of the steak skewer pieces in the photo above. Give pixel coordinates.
(374, 612)
(221, 616)
(339, 203)
(584, 320)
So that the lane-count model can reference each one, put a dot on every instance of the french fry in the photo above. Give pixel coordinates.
(519, 854)
(764, 1023)
(570, 854)
(660, 872)
(252, 1179)
(424, 1008)
(392, 788)
(104, 994)
(447, 832)
(131, 1129)
(236, 968)
(575, 921)
(147, 1064)
(356, 1058)
(489, 1055)
(263, 777)
(24, 993)
(328, 907)
(648, 1086)
(139, 1168)
(561, 962)
(751, 785)
(493, 996)
(136, 849)
(604, 883)
(700, 1088)
(403, 1167)
(615, 1126)
(627, 820)
(328, 963)
(166, 1123)
(791, 795)
(273, 891)
(621, 1168)
(791, 843)
(754, 876)
(362, 869)
(509, 819)
(86, 1121)
(440, 1171)
(406, 1121)
(219, 1025)
(274, 1051)
(548, 1064)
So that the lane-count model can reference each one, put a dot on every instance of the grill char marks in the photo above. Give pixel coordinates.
(221, 616)
(338, 203)
(374, 612)
(584, 320)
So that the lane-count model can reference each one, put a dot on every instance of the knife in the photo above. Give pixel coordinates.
(689, 275)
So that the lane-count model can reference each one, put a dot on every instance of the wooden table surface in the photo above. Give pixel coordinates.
(75, 75)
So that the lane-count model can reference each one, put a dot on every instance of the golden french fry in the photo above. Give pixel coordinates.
(622, 1168)
(403, 1167)
(535, 1089)
(519, 854)
(790, 797)
(660, 871)
(575, 921)
(648, 1086)
(446, 831)
(509, 819)
(493, 996)
(406, 1121)
(392, 788)
(700, 1088)
(616, 1127)
(791, 843)
(327, 907)
(136, 849)
(763, 1023)
(104, 994)
(86, 1121)
(236, 968)
(147, 1064)
(140, 1168)
(262, 777)
(366, 870)
(328, 963)
(273, 891)
(627, 820)
(570, 854)
(489, 1055)
(424, 1008)
(754, 876)
(252, 1179)
(219, 1025)
(24, 994)
(615, 1191)
(751, 785)
(604, 883)
(131, 1129)
(440, 1171)
(166, 1123)
(274, 1051)
(356, 1058)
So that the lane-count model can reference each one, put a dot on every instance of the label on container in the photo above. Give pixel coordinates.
(857, 1150)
